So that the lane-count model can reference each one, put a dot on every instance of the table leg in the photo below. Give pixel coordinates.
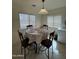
(36, 48)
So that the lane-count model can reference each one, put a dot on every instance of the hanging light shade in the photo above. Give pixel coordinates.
(43, 10)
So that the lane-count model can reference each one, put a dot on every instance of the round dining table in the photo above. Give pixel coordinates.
(36, 35)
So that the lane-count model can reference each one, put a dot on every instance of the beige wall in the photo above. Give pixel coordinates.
(15, 23)
(58, 11)
(43, 19)
(38, 20)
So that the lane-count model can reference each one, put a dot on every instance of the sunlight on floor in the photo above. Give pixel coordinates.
(55, 50)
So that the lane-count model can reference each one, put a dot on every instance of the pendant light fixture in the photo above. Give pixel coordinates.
(43, 10)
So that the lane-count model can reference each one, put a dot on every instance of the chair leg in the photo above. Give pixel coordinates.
(21, 49)
(36, 49)
(52, 47)
(48, 53)
(24, 53)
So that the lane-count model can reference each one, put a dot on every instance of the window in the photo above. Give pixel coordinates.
(32, 20)
(54, 21)
(50, 21)
(26, 19)
(57, 21)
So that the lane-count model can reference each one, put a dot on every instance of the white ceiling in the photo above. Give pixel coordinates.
(49, 4)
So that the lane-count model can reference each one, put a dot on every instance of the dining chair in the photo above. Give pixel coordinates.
(52, 36)
(25, 44)
(21, 39)
(29, 44)
(47, 43)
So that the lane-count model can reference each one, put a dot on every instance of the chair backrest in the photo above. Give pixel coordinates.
(45, 27)
(20, 35)
(29, 26)
(52, 34)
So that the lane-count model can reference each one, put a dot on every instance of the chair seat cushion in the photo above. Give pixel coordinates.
(47, 43)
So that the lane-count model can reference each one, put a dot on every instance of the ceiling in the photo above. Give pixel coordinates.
(26, 5)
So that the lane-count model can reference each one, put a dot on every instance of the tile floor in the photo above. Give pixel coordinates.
(59, 52)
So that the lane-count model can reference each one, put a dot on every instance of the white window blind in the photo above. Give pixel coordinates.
(26, 19)
(32, 20)
(57, 21)
(50, 21)
(54, 21)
